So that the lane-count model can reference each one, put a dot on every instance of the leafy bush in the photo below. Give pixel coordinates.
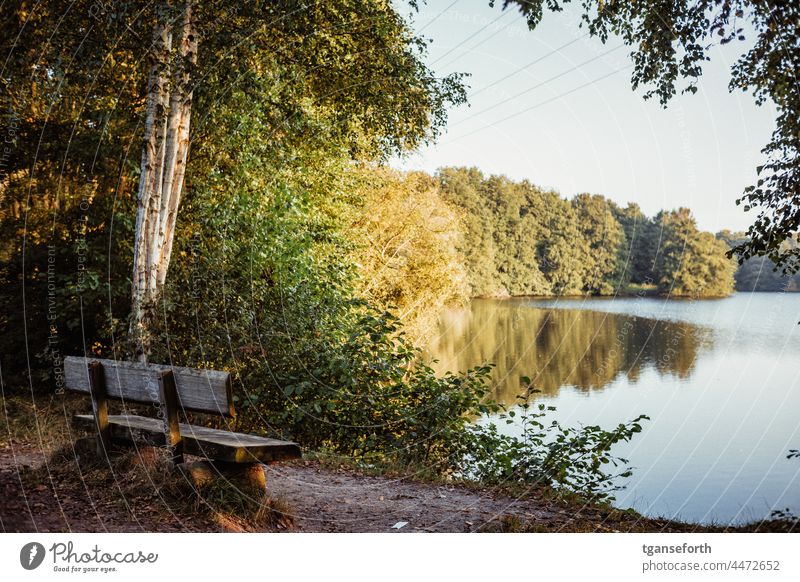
(262, 284)
(407, 250)
(573, 459)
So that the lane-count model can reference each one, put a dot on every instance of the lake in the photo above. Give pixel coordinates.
(719, 378)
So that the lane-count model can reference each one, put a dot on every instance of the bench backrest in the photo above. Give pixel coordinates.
(207, 391)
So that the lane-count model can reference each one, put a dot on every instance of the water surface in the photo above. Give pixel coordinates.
(720, 380)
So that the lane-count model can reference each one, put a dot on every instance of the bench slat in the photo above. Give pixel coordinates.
(197, 440)
(206, 391)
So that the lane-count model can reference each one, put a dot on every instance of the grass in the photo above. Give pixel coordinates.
(218, 498)
(144, 480)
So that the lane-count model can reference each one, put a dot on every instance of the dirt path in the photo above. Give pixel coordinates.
(318, 500)
(342, 501)
(46, 492)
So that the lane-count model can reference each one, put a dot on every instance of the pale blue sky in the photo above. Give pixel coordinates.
(603, 138)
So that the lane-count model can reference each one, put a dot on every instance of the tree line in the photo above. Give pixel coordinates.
(422, 242)
(760, 273)
(519, 239)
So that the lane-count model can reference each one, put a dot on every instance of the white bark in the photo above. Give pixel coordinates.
(183, 104)
(164, 155)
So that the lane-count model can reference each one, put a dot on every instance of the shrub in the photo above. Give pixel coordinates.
(573, 459)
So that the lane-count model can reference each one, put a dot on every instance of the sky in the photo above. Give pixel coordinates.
(556, 107)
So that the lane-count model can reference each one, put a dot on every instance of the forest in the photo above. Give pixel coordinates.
(439, 240)
(521, 240)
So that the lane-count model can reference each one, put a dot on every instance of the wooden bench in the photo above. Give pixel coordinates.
(172, 389)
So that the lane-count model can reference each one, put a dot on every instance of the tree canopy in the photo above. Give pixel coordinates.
(521, 240)
(303, 88)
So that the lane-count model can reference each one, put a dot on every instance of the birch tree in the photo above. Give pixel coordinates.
(163, 165)
(107, 94)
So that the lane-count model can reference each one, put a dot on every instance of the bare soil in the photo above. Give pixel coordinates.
(48, 485)
(36, 496)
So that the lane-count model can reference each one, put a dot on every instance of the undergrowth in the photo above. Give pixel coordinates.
(143, 478)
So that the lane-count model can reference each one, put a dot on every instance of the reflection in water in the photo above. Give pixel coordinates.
(719, 379)
(563, 347)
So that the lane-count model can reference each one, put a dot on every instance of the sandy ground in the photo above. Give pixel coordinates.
(343, 501)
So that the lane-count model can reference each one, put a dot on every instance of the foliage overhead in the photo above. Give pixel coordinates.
(671, 40)
(333, 84)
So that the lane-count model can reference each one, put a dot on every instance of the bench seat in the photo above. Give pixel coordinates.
(197, 440)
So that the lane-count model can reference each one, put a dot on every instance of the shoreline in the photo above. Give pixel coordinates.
(48, 488)
(626, 295)
(317, 498)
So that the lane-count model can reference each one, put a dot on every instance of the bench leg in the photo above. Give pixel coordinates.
(97, 389)
(249, 478)
(172, 432)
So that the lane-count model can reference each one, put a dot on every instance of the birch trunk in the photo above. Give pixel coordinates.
(164, 155)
